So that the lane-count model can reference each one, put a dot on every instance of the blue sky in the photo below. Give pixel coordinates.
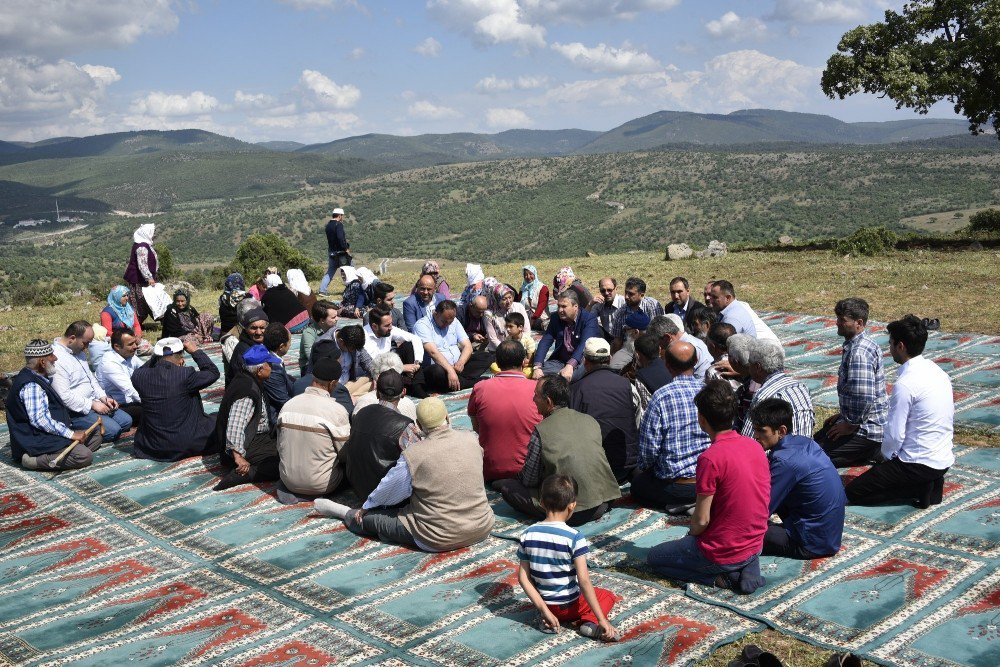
(319, 70)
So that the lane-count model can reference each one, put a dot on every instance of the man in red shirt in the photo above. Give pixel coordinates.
(503, 413)
(733, 487)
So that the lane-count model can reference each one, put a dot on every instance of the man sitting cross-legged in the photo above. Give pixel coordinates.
(731, 511)
(442, 476)
(115, 369)
(806, 491)
(670, 439)
(569, 333)
(448, 352)
(767, 368)
(565, 442)
(39, 421)
(917, 443)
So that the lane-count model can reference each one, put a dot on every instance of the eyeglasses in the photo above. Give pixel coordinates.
(605, 290)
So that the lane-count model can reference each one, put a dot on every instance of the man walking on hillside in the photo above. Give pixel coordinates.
(338, 247)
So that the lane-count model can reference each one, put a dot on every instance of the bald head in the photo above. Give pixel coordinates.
(681, 358)
(426, 287)
(479, 305)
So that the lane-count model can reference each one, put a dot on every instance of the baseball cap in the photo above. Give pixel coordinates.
(389, 384)
(596, 348)
(167, 346)
(258, 354)
(337, 211)
(326, 369)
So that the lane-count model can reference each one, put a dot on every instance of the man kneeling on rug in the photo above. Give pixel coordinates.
(442, 475)
(39, 422)
(732, 486)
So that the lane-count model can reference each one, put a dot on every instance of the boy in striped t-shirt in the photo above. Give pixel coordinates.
(553, 571)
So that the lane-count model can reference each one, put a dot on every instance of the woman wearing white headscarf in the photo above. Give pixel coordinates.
(141, 269)
(474, 277)
(300, 286)
(281, 305)
(353, 300)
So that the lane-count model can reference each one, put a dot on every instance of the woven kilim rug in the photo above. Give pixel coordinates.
(140, 562)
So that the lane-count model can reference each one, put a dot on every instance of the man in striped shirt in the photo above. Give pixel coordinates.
(553, 567)
(635, 301)
(767, 368)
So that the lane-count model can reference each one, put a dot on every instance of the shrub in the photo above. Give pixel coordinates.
(260, 251)
(867, 241)
(987, 221)
(165, 263)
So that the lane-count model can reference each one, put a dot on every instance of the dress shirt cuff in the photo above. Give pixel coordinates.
(573, 363)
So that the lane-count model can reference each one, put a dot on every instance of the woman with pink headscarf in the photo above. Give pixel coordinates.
(502, 301)
(432, 268)
(565, 279)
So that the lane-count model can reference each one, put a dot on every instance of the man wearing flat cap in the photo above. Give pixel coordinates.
(174, 424)
(441, 476)
(312, 429)
(39, 421)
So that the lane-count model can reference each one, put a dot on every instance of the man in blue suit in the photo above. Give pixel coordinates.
(570, 332)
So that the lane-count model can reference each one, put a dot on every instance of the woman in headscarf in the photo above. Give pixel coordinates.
(353, 300)
(432, 268)
(535, 298)
(253, 324)
(231, 337)
(141, 269)
(258, 288)
(501, 299)
(368, 282)
(119, 312)
(181, 319)
(474, 277)
(300, 286)
(565, 279)
(235, 290)
(281, 304)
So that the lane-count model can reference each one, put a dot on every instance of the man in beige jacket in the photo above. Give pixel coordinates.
(442, 475)
(312, 429)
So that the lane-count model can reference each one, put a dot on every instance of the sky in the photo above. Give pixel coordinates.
(319, 70)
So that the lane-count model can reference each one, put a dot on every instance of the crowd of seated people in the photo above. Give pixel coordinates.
(690, 404)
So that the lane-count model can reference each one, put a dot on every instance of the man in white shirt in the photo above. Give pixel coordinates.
(738, 313)
(381, 336)
(917, 440)
(77, 387)
(114, 373)
(450, 363)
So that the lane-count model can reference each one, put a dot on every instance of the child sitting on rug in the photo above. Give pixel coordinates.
(515, 331)
(553, 567)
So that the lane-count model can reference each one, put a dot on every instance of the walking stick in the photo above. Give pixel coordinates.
(64, 453)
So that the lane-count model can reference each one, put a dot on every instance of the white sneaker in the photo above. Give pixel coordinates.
(329, 508)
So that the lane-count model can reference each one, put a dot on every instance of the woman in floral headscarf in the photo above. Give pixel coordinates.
(141, 269)
(181, 319)
(119, 312)
(234, 291)
(353, 300)
(432, 268)
(501, 300)
(565, 279)
(535, 298)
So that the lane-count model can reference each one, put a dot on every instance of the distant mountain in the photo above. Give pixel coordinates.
(430, 149)
(130, 143)
(753, 126)
(281, 146)
(44, 142)
(10, 147)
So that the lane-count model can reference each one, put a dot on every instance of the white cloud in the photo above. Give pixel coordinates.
(325, 92)
(31, 88)
(822, 11)
(604, 58)
(165, 105)
(429, 48)
(101, 74)
(253, 101)
(507, 118)
(581, 11)
(62, 27)
(489, 22)
(751, 79)
(493, 84)
(430, 111)
(732, 26)
(356, 54)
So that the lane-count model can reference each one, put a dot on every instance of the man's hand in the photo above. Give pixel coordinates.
(411, 368)
(567, 372)
(190, 345)
(611, 633)
(477, 338)
(242, 465)
(453, 382)
(459, 366)
(79, 436)
(725, 369)
(100, 407)
(537, 373)
(110, 402)
(841, 429)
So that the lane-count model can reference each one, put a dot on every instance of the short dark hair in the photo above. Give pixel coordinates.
(275, 335)
(447, 304)
(515, 318)
(703, 314)
(381, 289)
(77, 329)
(853, 308)
(353, 336)
(377, 313)
(911, 332)
(321, 309)
(720, 332)
(772, 412)
(324, 347)
(117, 333)
(725, 287)
(557, 492)
(679, 279)
(556, 389)
(717, 404)
(510, 354)
(648, 345)
(637, 283)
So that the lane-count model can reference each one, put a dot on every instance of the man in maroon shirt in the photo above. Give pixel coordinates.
(503, 413)
(733, 487)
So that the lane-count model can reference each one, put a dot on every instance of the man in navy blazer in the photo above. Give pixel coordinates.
(570, 332)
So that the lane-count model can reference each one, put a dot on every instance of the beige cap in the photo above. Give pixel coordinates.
(596, 348)
(431, 413)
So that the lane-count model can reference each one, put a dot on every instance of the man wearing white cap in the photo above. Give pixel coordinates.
(174, 424)
(338, 247)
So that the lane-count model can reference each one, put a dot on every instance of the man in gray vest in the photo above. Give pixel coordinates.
(566, 442)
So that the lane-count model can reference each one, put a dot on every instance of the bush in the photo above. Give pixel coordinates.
(260, 251)
(987, 221)
(867, 241)
(165, 263)
(41, 294)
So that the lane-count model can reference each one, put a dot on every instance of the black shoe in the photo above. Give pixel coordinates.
(231, 479)
(843, 660)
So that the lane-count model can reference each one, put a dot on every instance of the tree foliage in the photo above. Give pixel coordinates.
(932, 50)
(986, 221)
(260, 251)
